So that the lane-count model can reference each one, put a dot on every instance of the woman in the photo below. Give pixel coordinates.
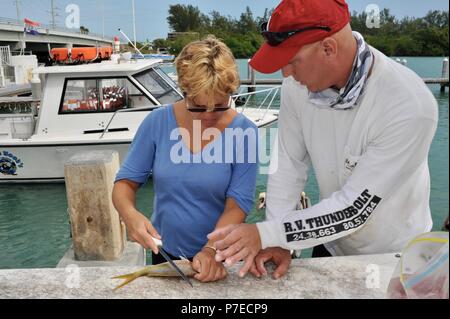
(194, 195)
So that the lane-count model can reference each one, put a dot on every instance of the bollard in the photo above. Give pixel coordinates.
(444, 72)
(97, 231)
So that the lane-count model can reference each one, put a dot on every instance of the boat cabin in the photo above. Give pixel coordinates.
(82, 99)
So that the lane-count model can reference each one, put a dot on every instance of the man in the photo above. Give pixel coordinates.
(362, 120)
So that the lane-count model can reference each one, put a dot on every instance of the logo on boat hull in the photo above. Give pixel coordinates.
(9, 163)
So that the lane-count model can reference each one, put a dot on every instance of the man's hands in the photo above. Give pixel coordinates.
(141, 230)
(207, 267)
(242, 242)
(235, 243)
(279, 256)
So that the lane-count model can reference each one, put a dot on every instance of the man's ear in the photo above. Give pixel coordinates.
(329, 47)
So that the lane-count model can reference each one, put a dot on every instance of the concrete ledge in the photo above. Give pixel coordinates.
(340, 277)
(133, 256)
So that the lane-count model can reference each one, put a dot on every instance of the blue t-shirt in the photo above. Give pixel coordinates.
(191, 189)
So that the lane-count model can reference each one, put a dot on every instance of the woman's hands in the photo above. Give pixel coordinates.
(141, 230)
(207, 267)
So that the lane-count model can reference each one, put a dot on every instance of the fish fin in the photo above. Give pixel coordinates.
(183, 256)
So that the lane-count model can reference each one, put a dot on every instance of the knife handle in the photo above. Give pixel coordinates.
(158, 242)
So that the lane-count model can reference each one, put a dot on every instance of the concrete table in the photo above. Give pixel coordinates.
(338, 277)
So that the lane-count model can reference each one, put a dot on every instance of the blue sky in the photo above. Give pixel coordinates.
(151, 14)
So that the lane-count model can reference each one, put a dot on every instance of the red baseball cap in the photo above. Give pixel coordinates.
(292, 15)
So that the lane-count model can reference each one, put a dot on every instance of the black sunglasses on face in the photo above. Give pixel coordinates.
(199, 109)
(204, 110)
(276, 38)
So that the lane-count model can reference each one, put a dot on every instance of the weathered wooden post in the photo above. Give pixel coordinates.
(97, 231)
(444, 73)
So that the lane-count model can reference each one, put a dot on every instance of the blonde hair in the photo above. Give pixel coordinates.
(207, 67)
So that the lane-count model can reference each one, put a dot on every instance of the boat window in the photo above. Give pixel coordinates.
(160, 85)
(101, 95)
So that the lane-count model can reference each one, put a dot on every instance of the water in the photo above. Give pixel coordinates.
(34, 224)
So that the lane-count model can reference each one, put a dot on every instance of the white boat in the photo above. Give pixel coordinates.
(164, 57)
(84, 107)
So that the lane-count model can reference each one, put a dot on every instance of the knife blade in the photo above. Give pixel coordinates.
(171, 263)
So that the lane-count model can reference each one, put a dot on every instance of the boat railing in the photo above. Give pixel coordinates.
(269, 93)
(258, 98)
(5, 55)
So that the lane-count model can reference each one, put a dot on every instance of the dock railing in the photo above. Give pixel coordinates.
(252, 81)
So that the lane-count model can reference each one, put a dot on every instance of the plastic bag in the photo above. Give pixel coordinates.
(422, 272)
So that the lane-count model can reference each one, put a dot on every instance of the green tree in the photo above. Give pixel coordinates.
(175, 46)
(405, 46)
(436, 18)
(184, 18)
(426, 36)
(246, 23)
(219, 22)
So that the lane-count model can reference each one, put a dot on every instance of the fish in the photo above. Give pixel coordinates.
(161, 270)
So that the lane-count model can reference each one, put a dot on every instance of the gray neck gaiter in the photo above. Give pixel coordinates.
(348, 97)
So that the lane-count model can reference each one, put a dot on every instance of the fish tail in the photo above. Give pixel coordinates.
(128, 278)
(123, 276)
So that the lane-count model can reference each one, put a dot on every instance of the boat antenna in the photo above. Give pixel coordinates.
(129, 41)
(134, 21)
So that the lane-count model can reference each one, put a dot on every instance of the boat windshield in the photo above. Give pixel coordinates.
(160, 85)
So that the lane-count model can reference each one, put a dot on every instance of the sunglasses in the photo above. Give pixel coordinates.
(199, 109)
(276, 38)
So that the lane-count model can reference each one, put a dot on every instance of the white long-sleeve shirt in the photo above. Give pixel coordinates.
(371, 165)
